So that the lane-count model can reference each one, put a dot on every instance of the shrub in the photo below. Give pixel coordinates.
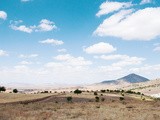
(121, 98)
(15, 91)
(95, 93)
(97, 99)
(2, 89)
(45, 91)
(143, 99)
(122, 94)
(138, 93)
(103, 91)
(69, 99)
(102, 99)
(77, 91)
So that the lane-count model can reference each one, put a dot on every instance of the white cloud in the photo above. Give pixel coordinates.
(52, 41)
(147, 70)
(113, 57)
(22, 28)
(25, 0)
(129, 25)
(25, 63)
(28, 56)
(100, 48)
(3, 15)
(157, 47)
(108, 7)
(62, 50)
(123, 60)
(146, 1)
(67, 59)
(3, 53)
(129, 61)
(44, 26)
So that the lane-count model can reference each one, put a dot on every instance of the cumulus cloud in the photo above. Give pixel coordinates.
(28, 56)
(129, 61)
(143, 24)
(109, 7)
(52, 41)
(157, 47)
(3, 15)
(100, 48)
(146, 1)
(123, 60)
(44, 26)
(22, 28)
(67, 59)
(25, 63)
(3, 53)
(147, 70)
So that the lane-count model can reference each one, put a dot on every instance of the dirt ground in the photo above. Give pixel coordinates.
(56, 107)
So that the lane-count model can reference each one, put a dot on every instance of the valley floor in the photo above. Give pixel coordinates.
(82, 107)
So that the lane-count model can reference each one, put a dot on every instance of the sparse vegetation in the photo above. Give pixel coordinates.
(15, 91)
(95, 93)
(69, 99)
(57, 107)
(2, 89)
(77, 91)
(102, 99)
(103, 91)
(97, 99)
(121, 98)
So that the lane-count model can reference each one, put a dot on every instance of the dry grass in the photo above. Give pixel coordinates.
(12, 97)
(111, 109)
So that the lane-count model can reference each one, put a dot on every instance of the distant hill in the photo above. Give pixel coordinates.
(131, 78)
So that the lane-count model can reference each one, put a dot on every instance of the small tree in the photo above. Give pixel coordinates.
(69, 99)
(121, 98)
(2, 89)
(77, 91)
(97, 99)
(103, 91)
(95, 93)
(102, 99)
(15, 91)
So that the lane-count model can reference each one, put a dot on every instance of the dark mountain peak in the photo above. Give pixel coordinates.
(133, 78)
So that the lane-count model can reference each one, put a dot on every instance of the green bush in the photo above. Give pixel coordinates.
(95, 93)
(69, 99)
(77, 91)
(2, 89)
(97, 99)
(102, 99)
(121, 98)
(103, 91)
(15, 91)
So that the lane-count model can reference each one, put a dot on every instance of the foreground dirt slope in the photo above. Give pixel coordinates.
(83, 107)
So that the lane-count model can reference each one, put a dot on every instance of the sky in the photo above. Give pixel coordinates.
(78, 41)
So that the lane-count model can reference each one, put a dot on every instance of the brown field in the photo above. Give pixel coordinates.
(82, 107)
(11, 97)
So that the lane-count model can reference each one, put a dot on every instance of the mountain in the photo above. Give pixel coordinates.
(131, 78)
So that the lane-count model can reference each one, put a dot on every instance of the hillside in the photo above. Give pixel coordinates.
(131, 78)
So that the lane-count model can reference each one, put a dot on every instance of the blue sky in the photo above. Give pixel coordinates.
(78, 41)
